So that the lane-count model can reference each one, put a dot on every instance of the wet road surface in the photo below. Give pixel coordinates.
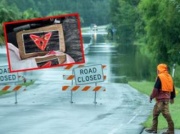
(43, 108)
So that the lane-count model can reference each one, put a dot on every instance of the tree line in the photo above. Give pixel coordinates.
(153, 25)
(90, 11)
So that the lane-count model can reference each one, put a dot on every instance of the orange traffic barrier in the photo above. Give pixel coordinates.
(83, 88)
(5, 88)
(12, 88)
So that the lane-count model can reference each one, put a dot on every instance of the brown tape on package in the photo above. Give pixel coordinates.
(39, 41)
(51, 60)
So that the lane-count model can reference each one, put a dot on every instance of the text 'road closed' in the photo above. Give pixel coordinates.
(6, 76)
(90, 74)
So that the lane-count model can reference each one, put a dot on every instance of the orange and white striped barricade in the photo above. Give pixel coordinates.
(71, 77)
(83, 88)
(14, 88)
(7, 77)
(81, 73)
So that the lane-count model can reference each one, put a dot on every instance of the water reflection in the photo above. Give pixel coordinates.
(124, 62)
(131, 64)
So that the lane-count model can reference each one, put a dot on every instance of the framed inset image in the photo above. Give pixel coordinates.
(44, 42)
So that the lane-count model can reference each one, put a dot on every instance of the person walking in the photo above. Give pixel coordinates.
(163, 92)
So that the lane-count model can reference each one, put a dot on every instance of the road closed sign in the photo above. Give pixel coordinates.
(88, 74)
(6, 76)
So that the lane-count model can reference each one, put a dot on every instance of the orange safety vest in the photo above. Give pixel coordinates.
(165, 77)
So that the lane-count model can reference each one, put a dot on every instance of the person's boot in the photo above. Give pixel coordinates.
(151, 130)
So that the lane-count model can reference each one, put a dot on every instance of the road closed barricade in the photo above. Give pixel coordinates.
(83, 88)
(10, 88)
(83, 75)
(6, 78)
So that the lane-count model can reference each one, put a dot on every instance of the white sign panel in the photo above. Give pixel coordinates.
(88, 74)
(6, 76)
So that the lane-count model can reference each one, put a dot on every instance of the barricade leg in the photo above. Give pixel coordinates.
(15, 92)
(71, 96)
(95, 97)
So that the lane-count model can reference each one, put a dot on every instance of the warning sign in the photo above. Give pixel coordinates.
(6, 76)
(88, 74)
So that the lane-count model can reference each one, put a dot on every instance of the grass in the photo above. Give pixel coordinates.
(146, 88)
(4, 92)
(27, 83)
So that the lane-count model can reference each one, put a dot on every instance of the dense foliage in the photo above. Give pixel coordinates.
(91, 11)
(123, 16)
(162, 28)
(154, 24)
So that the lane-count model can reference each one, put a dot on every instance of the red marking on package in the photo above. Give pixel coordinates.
(41, 42)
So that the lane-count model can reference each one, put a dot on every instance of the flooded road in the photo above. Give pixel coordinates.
(105, 53)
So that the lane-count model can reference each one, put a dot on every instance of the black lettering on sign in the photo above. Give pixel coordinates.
(13, 77)
(4, 70)
(99, 76)
(91, 78)
(85, 71)
(81, 71)
(6, 78)
(1, 78)
(95, 77)
(88, 71)
(94, 70)
(79, 79)
(87, 78)
(1, 71)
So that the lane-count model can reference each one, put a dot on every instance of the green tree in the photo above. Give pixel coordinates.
(162, 29)
(10, 13)
(92, 11)
(7, 13)
(30, 13)
(54, 13)
(124, 16)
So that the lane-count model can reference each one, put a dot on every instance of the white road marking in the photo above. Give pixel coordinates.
(132, 119)
(115, 129)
